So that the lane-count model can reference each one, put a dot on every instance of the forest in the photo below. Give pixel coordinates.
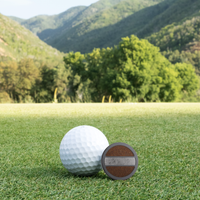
(133, 70)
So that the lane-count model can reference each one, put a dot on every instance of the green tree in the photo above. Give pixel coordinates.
(9, 78)
(187, 77)
(44, 88)
(142, 72)
(28, 73)
(62, 83)
(96, 64)
(76, 66)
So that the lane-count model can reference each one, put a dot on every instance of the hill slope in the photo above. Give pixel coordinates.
(42, 22)
(17, 42)
(180, 42)
(105, 28)
(52, 29)
(67, 19)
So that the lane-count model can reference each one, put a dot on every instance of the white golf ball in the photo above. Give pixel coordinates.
(81, 150)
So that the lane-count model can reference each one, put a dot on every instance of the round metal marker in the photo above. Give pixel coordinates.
(119, 161)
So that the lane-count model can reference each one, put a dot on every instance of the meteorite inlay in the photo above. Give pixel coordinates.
(119, 161)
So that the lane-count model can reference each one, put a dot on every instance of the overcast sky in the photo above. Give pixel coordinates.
(26, 9)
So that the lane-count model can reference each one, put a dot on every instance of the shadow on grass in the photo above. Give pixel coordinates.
(55, 172)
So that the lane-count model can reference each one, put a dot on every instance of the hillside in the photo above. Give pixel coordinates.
(54, 30)
(103, 30)
(40, 23)
(67, 19)
(17, 42)
(94, 31)
(180, 42)
(177, 36)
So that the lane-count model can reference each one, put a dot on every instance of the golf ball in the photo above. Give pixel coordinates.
(81, 149)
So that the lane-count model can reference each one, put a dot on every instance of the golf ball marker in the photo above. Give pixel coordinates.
(119, 161)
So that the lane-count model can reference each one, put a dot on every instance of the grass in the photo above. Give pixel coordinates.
(166, 138)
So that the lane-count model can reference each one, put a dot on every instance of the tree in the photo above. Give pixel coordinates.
(187, 77)
(142, 72)
(43, 90)
(9, 78)
(62, 83)
(75, 65)
(98, 64)
(28, 73)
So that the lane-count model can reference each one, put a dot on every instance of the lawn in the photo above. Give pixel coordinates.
(165, 136)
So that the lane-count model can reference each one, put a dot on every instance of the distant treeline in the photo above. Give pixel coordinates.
(134, 70)
(25, 82)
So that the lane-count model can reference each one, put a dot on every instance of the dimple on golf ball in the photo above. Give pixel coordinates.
(81, 149)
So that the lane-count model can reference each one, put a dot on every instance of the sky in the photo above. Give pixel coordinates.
(26, 9)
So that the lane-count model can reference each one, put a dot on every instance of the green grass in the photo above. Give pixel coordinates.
(166, 138)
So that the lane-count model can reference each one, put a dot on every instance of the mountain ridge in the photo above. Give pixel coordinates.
(61, 37)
